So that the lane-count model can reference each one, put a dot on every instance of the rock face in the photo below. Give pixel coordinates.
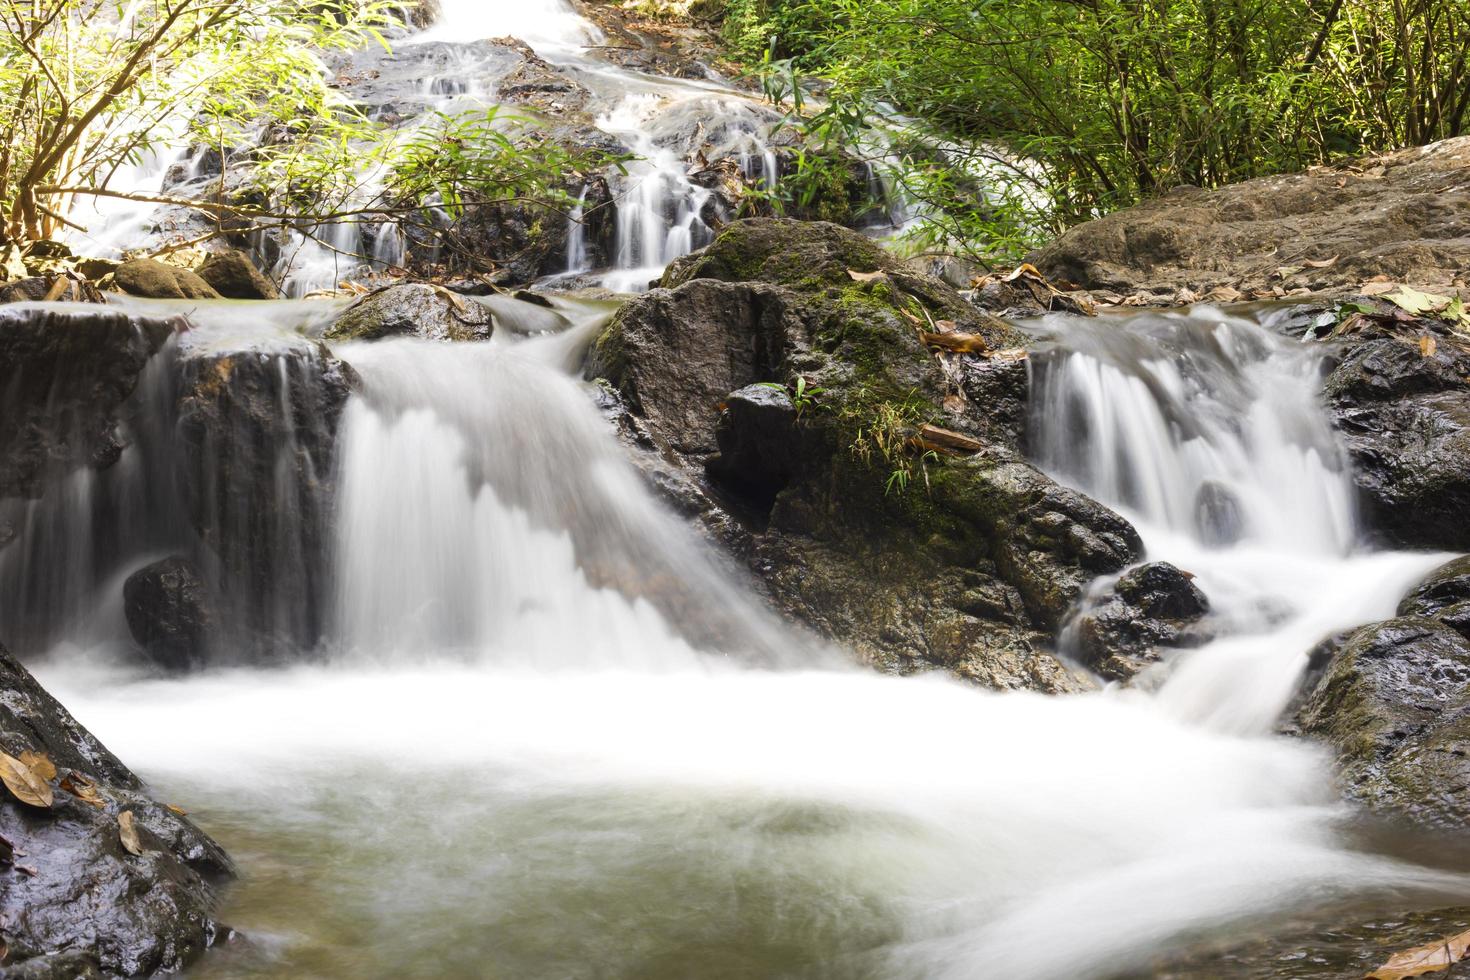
(1395, 705)
(413, 310)
(234, 276)
(155, 280)
(65, 373)
(781, 376)
(1151, 607)
(170, 612)
(84, 905)
(258, 426)
(1403, 408)
(1444, 595)
(1404, 215)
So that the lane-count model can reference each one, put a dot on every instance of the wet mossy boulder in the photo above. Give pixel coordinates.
(75, 901)
(1394, 704)
(1150, 608)
(413, 310)
(152, 279)
(880, 484)
(1443, 595)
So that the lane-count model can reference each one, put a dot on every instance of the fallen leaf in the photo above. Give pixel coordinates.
(40, 764)
(1411, 300)
(1224, 294)
(129, 833)
(960, 343)
(26, 870)
(1287, 271)
(946, 326)
(1186, 296)
(1428, 345)
(82, 788)
(865, 276)
(24, 783)
(180, 811)
(1024, 269)
(1429, 958)
(1377, 287)
(1010, 354)
(1320, 263)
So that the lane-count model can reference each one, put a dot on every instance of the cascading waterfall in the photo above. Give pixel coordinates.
(555, 737)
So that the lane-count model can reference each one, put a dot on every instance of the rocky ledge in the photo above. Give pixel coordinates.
(852, 430)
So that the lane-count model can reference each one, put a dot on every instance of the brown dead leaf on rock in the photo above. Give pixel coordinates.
(24, 783)
(177, 810)
(1429, 958)
(1377, 287)
(128, 833)
(1428, 345)
(960, 343)
(40, 764)
(82, 788)
(1320, 263)
(865, 276)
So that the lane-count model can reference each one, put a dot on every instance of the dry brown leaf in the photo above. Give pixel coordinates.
(865, 276)
(82, 788)
(1377, 287)
(24, 783)
(960, 343)
(1010, 354)
(1429, 958)
(128, 833)
(178, 810)
(1428, 345)
(40, 764)
(1287, 271)
(1137, 299)
(1186, 296)
(1024, 269)
(946, 326)
(1320, 263)
(1224, 294)
(932, 437)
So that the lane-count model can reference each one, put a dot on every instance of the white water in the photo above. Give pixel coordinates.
(513, 768)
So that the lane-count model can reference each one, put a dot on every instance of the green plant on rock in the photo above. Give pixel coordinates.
(884, 436)
(803, 396)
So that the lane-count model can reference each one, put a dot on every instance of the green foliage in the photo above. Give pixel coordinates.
(803, 396)
(1024, 116)
(884, 435)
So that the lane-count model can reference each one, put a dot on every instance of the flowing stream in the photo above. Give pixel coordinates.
(516, 759)
(550, 734)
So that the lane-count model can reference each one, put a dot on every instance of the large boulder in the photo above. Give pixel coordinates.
(413, 310)
(876, 487)
(234, 276)
(170, 612)
(1443, 595)
(1149, 609)
(1395, 706)
(66, 374)
(1405, 215)
(157, 280)
(260, 425)
(1403, 408)
(76, 900)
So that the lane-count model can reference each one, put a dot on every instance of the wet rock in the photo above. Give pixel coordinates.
(413, 310)
(1151, 607)
(170, 612)
(65, 376)
(1405, 419)
(1444, 595)
(32, 289)
(1395, 706)
(86, 906)
(259, 425)
(1404, 215)
(234, 276)
(1217, 515)
(156, 280)
(913, 560)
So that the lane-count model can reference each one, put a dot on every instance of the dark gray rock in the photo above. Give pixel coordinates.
(253, 426)
(1444, 595)
(170, 612)
(1217, 515)
(234, 276)
(157, 280)
(1405, 418)
(65, 374)
(413, 310)
(756, 439)
(1151, 607)
(85, 906)
(1395, 706)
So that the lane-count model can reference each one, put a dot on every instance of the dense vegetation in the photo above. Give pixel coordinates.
(1090, 105)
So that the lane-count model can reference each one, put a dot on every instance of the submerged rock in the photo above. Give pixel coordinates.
(1404, 415)
(75, 901)
(157, 280)
(170, 612)
(781, 369)
(234, 276)
(1151, 607)
(1395, 705)
(413, 310)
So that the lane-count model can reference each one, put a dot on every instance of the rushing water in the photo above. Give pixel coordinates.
(555, 738)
